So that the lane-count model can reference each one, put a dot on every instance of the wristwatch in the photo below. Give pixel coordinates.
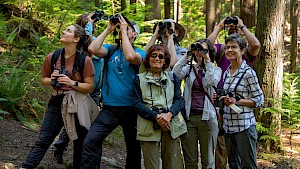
(242, 27)
(75, 83)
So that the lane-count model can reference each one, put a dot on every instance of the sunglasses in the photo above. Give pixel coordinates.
(160, 56)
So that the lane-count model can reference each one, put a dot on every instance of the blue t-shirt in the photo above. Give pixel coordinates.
(118, 80)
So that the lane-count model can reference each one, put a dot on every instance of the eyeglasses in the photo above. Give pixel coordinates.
(160, 56)
(233, 47)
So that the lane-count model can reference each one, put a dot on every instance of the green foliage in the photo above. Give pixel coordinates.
(291, 101)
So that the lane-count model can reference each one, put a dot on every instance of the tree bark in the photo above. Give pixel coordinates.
(167, 6)
(97, 3)
(294, 13)
(133, 6)
(269, 65)
(248, 14)
(232, 8)
(152, 13)
(219, 11)
(210, 16)
(123, 5)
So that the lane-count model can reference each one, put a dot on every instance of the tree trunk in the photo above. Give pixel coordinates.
(294, 22)
(167, 6)
(97, 3)
(219, 11)
(152, 13)
(133, 6)
(232, 8)
(123, 5)
(210, 16)
(269, 65)
(248, 14)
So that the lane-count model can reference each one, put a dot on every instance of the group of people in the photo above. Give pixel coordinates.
(141, 92)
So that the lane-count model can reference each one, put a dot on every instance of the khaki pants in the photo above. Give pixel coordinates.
(221, 153)
(206, 133)
(166, 149)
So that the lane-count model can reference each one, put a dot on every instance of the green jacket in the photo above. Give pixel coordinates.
(169, 98)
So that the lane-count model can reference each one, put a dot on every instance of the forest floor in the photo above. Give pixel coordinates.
(16, 141)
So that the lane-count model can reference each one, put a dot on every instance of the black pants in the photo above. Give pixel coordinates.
(51, 127)
(105, 123)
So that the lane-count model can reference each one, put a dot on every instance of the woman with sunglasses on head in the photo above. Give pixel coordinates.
(70, 104)
(243, 91)
(201, 116)
(158, 101)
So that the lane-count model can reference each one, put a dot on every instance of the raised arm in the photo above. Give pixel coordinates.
(96, 47)
(213, 36)
(254, 44)
(129, 52)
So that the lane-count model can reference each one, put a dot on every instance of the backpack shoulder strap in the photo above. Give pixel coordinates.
(79, 64)
(54, 58)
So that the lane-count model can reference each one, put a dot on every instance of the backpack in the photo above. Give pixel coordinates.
(78, 63)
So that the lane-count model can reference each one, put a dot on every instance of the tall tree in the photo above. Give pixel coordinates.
(210, 16)
(248, 14)
(269, 64)
(167, 6)
(219, 10)
(232, 8)
(294, 24)
(153, 12)
(123, 5)
(133, 6)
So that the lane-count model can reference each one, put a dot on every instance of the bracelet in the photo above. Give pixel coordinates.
(242, 27)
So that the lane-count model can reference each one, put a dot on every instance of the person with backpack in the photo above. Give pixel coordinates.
(121, 63)
(242, 90)
(233, 25)
(157, 99)
(85, 21)
(200, 113)
(70, 103)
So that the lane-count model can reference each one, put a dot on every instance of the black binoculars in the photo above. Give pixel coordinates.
(231, 20)
(98, 15)
(217, 102)
(54, 82)
(114, 18)
(163, 25)
(158, 110)
(198, 46)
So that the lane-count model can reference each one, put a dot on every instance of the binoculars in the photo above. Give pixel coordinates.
(114, 18)
(54, 82)
(98, 15)
(198, 46)
(231, 20)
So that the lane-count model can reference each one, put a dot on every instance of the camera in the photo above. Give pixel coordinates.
(54, 82)
(98, 15)
(217, 102)
(231, 20)
(159, 111)
(198, 46)
(114, 18)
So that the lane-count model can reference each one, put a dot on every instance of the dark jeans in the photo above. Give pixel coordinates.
(105, 123)
(241, 148)
(51, 127)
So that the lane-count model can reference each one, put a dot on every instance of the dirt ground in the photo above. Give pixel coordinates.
(16, 141)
